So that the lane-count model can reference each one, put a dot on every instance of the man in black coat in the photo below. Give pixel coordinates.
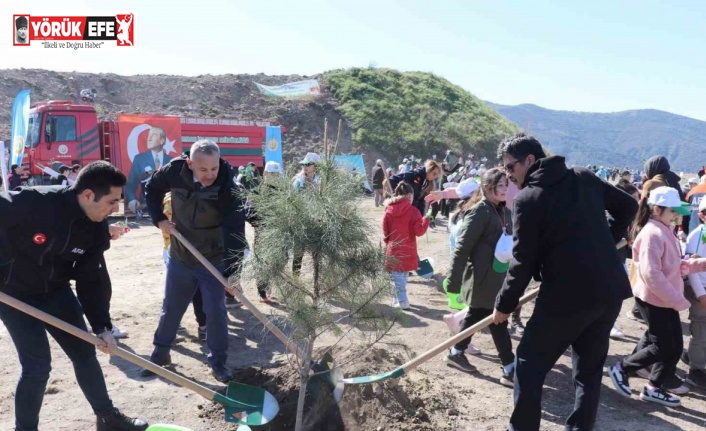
(50, 235)
(208, 211)
(562, 238)
(378, 176)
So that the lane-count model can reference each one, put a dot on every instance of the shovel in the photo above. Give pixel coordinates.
(327, 370)
(244, 404)
(404, 369)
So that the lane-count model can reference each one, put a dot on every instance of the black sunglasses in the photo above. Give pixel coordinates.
(510, 167)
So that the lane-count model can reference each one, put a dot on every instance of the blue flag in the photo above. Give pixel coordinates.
(18, 127)
(273, 145)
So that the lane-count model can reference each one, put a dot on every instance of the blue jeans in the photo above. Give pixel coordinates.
(32, 344)
(180, 287)
(400, 279)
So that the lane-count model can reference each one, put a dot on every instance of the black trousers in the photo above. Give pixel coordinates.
(660, 346)
(500, 334)
(547, 336)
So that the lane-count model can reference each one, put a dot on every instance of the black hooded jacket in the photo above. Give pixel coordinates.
(561, 236)
(211, 218)
(660, 165)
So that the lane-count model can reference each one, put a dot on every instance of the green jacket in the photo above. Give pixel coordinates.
(472, 265)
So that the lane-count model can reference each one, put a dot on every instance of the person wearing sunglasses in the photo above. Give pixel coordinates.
(562, 239)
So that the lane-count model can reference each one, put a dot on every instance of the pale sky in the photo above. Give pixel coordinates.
(599, 56)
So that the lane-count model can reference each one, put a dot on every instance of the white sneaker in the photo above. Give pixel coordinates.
(660, 396)
(616, 333)
(117, 333)
(472, 350)
(403, 305)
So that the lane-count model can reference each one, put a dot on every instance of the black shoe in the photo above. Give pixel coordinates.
(181, 330)
(232, 303)
(697, 378)
(161, 361)
(517, 328)
(202, 334)
(222, 374)
(685, 358)
(460, 362)
(117, 421)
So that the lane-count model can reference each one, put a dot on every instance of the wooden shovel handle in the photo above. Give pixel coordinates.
(414, 363)
(117, 351)
(249, 305)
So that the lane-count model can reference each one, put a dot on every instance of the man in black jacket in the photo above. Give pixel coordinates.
(562, 238)
(49, 236)
(378, 176)
(208, 212)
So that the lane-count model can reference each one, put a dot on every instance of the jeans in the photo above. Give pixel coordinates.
(500, 334)
(32, 344)
(180, 287)
(660, 346)
(197, 302)
(400, 279)
(547, 336)
(697, 328)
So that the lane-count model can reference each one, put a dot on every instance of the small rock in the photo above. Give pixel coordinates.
(199, 406)
(452, 412)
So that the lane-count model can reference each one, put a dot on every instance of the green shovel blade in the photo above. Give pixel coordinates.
(165, 427)
(265, 406)
(394, 374)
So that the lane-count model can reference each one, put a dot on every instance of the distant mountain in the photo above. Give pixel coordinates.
(614, 139)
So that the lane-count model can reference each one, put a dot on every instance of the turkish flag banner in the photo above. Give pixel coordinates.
(147, 143)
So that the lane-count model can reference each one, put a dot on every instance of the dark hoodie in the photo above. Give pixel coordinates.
(658, 173)
(562, 238)
(658, 165)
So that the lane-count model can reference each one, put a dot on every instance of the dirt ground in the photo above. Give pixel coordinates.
(434, 397)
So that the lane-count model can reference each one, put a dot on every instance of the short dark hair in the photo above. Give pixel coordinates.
(13, 167)
(99, 177)
(521, 145)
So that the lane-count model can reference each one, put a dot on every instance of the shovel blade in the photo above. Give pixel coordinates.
(265, 406)
(394, 374)
(165, 427)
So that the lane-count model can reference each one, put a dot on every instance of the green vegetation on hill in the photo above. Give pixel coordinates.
(396, 113)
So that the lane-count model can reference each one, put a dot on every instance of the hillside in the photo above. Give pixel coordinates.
(386, 113)
(614, 139)
(415, 113)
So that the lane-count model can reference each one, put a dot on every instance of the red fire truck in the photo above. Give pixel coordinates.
(62, 132)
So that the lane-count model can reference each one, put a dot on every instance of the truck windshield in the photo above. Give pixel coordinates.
(35, 125)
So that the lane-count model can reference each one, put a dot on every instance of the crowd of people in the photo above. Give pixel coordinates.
(530, 216)
(592, 237)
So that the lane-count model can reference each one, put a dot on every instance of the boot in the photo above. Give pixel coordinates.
(159, 358)
(117, 421)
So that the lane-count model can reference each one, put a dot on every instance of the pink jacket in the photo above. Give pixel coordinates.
(657, 256)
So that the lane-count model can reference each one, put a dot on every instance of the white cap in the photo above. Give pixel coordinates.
(148, 168)
(310, 158)
(702, 205)
(667, 197)
(465, 188)
(272, 167)
(693, 180)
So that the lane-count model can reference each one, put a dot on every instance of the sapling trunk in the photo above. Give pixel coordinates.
(304, 380)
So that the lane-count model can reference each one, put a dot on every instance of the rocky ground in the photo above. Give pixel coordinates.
(434, 397)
